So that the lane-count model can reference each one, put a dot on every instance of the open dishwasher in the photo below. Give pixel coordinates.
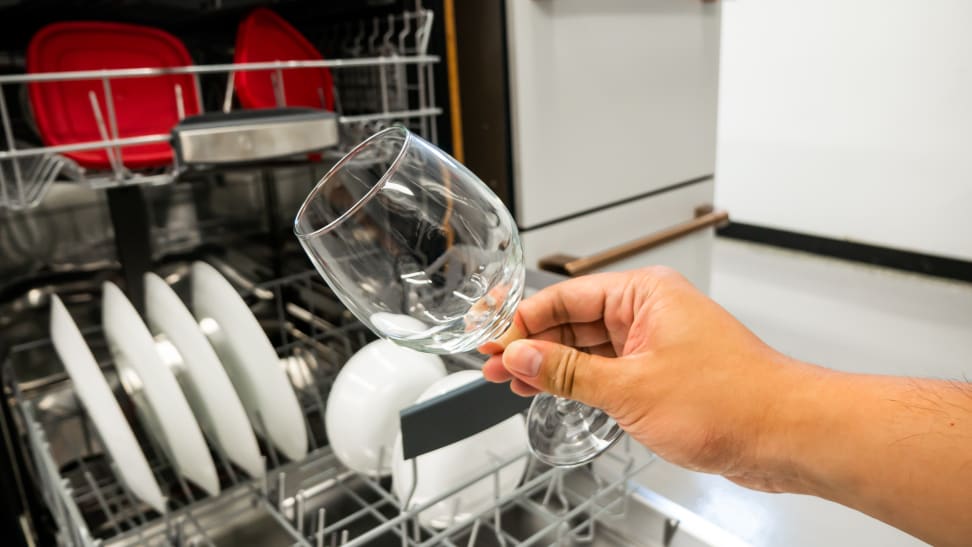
(76, 213)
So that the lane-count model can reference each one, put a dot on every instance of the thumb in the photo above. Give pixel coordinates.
(562, 370)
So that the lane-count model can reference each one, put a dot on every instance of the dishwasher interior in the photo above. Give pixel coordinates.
(66, 227)
(311, 502)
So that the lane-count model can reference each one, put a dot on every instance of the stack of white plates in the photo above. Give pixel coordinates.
(231, 382)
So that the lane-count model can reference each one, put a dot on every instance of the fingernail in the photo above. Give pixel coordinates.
(522, 359)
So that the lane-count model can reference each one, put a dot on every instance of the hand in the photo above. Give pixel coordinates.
(687, 380)
(674, 369)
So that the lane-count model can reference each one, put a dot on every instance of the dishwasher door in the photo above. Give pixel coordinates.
(609, 100)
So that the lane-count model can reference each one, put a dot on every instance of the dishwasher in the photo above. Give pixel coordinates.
(76, 213)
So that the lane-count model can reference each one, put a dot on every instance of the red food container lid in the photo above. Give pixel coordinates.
(143, 106)
(265, 37)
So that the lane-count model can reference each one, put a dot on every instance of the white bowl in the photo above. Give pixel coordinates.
(362, 410)
(444, 469)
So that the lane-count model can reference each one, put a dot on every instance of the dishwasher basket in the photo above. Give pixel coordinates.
(314, 502)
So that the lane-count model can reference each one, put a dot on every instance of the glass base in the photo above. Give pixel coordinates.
(565, 433)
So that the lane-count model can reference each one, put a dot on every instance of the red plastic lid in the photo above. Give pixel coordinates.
(264, 36)
(143, 106)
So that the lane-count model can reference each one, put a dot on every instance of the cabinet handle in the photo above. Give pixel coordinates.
(572, 266)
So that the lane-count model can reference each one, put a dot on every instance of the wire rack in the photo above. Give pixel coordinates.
(316, 501)
(382, 75)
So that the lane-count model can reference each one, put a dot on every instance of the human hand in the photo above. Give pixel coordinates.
(674, 369)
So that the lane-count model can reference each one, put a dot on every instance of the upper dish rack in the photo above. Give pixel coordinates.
(382, 75)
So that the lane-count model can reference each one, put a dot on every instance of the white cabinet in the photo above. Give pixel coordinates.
(610, 99)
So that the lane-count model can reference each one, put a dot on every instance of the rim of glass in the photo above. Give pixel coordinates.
(340, 165)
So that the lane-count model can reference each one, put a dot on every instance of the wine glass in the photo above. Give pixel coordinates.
(414, 244)
(425, 255)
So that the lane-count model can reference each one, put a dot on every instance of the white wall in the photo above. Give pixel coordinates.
(850, 120)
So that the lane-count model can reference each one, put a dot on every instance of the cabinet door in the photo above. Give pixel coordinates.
(594, 233)
(610, 99)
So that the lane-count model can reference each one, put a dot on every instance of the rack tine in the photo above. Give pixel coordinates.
(185, 488)
(387, 38)
(321, 524)
(265, 483)
(550, 488)
(299, 511)
(225, 463)
(403, 35)
(228, 95)
(474, 533)
(101, 501)
(375, 33)
(411, 490)
(497, 512)
(276, 79)
(263, 432)
(11, 146)
(5, 197)
(180, 107)
(281, 485)
(103, 130)
(561, 497)
(112, 119)
(344, 536)
(35, 167)
(422, 33)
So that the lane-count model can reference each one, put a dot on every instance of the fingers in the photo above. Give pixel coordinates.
(516, 332)
(578, 335)
(604, 350)
(522, 388)
(562, 371)
(579, 300)
(494, 371)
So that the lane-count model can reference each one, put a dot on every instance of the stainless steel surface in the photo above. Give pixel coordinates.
(310, 502)
(256, 141)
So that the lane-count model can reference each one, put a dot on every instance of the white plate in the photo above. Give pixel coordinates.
(202, 378)
(362, 409)
(154, 390)
(102, 408)
(442, 470)
(250, 360)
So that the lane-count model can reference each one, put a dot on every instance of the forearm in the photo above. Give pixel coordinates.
(898, 449)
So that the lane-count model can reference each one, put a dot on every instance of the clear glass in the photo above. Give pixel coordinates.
(426, 255)
(414, 244)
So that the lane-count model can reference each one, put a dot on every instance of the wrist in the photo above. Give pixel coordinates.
(807, 404)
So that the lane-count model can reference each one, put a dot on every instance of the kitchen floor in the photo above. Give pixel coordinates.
(843, 315)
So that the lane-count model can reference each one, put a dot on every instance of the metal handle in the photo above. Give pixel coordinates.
(569, 265)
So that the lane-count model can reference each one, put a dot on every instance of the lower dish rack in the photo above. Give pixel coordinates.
(312, 502)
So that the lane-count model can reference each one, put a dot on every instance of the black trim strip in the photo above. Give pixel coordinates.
(938, 266)
(455, 415)
(666, 189)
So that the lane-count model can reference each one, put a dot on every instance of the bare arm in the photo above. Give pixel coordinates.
(686, 379)
(898, 449)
